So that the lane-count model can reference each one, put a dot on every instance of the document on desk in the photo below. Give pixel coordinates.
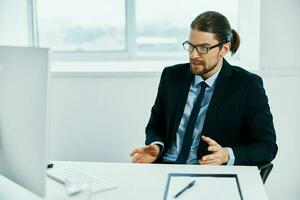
(202, 186)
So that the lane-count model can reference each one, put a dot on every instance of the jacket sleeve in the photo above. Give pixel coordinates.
(156, 126)
(261, 147)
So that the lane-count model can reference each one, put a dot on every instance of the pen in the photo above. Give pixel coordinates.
(50, 165)
(184, 189)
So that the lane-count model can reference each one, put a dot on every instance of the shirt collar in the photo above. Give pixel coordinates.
(210, 81)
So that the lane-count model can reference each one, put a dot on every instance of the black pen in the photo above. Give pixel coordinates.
(50, 165)
(184, 189)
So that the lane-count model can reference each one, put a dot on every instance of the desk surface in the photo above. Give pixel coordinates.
(138, 181)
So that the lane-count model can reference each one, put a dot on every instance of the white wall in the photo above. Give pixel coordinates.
(99, 117)
(280, 30)
(284, 98)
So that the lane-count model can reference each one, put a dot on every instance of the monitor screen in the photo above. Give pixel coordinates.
(23, 111)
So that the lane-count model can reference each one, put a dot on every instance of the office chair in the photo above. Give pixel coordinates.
(265, 171)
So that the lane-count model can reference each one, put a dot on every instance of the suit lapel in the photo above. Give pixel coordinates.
(222, 85)
(182, 97)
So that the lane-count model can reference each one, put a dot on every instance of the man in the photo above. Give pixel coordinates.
(208, 111)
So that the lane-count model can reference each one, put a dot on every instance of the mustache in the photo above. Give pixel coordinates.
(201, 62)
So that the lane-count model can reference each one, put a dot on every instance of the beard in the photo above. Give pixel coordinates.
(200, 67)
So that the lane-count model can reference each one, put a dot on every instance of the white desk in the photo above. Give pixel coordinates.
(138, 181)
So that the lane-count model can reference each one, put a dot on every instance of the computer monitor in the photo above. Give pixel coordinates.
(23, 111)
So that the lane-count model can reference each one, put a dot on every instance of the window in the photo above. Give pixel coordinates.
(153, 27)
(86, 25)
(136, 29)
(162, 26)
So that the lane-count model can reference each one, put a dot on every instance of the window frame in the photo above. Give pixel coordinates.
(248, 28)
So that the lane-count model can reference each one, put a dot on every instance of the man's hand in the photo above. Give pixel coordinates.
(219, 154)
(146, 154)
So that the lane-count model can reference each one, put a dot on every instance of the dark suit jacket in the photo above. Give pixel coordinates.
(238, 115)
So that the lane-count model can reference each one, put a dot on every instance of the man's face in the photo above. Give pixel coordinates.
(204, 64)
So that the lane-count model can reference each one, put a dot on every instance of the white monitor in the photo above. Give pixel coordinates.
(23, 108)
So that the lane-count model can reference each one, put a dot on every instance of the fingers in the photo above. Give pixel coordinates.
(142, 158)
(209, 141)
(219, 156)
(137, 150)
(213, 148)
(146, 154)
(209, 162)
(211, 159)
(216, 157)
(133, 152)
(137, 158)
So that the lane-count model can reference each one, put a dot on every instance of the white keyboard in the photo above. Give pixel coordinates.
(61, 174)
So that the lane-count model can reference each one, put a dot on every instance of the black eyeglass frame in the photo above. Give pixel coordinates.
(196, 47)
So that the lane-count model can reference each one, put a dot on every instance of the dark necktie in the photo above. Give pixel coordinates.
(188, 135)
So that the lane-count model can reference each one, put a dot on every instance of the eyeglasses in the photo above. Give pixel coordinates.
(199, 48)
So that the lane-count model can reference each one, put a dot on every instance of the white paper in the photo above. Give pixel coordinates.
(212, 188)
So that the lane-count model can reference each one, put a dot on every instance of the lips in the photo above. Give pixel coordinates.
(197, 62)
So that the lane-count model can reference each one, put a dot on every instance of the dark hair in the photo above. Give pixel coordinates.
(216, 23)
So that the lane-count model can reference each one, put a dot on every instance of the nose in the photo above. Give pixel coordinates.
(194, 54)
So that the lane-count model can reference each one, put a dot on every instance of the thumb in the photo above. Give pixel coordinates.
(209, 141)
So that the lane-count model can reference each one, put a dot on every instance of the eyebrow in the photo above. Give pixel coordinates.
(203, 44)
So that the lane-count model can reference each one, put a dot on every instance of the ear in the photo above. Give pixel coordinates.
(225, 49)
